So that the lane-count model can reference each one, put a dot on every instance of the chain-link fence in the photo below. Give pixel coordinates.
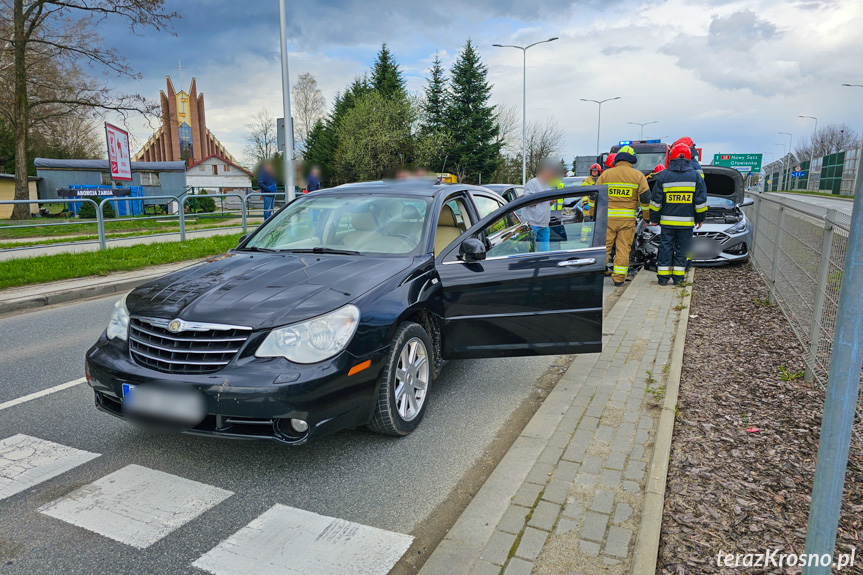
(799, 251)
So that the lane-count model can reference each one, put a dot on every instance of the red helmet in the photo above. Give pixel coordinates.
(609, 160)
(680, 149)
(684, 140)
(658, 168)
(596, 167)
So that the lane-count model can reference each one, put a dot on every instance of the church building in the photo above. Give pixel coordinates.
(183, 135)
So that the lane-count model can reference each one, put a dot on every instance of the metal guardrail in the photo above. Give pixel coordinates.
(799, 251)
(244, 207)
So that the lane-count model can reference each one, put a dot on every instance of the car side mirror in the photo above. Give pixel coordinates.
(472, 250)
(242, 239)
(746, 202)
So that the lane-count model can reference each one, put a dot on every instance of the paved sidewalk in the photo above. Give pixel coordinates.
(568, 496)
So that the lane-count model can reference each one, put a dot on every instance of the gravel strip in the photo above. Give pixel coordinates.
(731, 488)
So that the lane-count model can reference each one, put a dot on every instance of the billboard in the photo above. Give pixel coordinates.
(118, 153)
(740, 162)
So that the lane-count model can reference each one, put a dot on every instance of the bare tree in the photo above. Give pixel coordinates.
(309, 107)
(509, 121)
(39, 36)
(261, 137)
(544, 140)
(828, 140)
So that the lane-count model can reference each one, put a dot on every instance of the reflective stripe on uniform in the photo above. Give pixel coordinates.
(663, 271)
(701, 208)
(621, 270)
(679, 270)
(656, 205)
(676, 223)
(621, 213)
(687, 185)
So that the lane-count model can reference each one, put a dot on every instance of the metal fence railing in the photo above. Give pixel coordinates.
(799, 251)
(181, 215)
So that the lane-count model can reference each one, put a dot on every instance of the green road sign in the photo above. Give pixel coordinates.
(740, 162)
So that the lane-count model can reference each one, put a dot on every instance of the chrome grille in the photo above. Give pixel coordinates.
(191, 348)
(715, 236)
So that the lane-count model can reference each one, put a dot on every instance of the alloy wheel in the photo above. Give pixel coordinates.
(412, 379)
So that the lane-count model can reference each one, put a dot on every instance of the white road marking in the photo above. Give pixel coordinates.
(289, 541)
(136, 505)
(43, 393)
(27, 461)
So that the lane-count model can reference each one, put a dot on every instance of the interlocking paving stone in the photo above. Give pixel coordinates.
(531, 543)
(615, 460)
(513, 519)
(592, 464)
(617, 543)
(594, 526)
(603, 501)
(518, 567)
(527, 494)
(565, 471)
(540, 473)
(622, 512)
(588, 548)
(498, 547)
(544, 515)
(556, 491)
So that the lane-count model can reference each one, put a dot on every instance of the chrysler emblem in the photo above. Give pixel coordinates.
(175, 325)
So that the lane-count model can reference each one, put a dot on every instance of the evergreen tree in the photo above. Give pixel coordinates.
(436, 99)
(470, 117)
(386, 77)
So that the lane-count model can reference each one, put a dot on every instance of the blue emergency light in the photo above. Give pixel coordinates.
(624, 142)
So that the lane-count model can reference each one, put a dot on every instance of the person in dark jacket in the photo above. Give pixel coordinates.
(313, 184)
(678, 203)
(267, 183)
(693, 152)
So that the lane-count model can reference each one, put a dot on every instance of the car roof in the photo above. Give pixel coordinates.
(501, 187)
(414, 187)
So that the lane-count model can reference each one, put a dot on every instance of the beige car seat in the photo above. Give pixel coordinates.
(447, 230)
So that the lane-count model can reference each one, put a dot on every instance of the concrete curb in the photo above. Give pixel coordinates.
(41, 295)
(647, 542)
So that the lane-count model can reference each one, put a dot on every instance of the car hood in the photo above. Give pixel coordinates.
(262, 290)
(724, 182)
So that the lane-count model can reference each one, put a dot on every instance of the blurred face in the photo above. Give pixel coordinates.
(546, 173)
(269, 169)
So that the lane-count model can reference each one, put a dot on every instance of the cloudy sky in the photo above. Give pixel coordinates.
(731, 74)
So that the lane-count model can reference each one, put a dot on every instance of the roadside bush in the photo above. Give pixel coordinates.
(87, 211)
(202, 203)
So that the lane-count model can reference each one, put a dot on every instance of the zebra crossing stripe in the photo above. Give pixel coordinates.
(289, 541)
(136, 505)
(26, 461)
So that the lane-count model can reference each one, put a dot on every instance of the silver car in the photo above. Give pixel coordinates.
(726, 234)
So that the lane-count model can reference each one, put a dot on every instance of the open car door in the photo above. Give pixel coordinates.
(510, 289)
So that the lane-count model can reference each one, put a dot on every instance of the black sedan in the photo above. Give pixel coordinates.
(341, 309)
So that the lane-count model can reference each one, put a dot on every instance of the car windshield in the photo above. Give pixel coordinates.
(716, 202)
(649, 160)
(345, 223)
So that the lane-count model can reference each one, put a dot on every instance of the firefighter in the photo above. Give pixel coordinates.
(678, 204)
(693, 161)
(625, 188)
(586, 205)
(652, 175)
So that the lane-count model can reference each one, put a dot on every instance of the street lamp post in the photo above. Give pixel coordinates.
(811, 150)
(782, 169)
(642, 126)
(790, 140)
(599, 116)
(523, 101)
(286, 104)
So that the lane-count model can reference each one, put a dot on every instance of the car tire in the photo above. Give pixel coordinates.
(407, 374)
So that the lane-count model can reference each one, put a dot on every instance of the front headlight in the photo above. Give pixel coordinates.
(313, 340)
(737, 228)
(118, 326)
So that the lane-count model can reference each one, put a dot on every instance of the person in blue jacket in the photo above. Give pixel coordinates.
(678, 203)
(267, 183)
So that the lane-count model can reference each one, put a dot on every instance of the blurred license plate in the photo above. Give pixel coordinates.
(183, 406)
(704, 248)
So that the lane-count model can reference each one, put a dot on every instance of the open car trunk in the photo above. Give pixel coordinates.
(724, 182)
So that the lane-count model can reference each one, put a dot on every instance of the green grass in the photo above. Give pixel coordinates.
(808, 193)
(112, 226)
(40, 269)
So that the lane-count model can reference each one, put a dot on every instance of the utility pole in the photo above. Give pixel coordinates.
(790, 152)
(286, 103)
(599, 116)
(524, 101)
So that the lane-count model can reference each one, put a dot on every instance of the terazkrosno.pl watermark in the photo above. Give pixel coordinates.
(773, 558)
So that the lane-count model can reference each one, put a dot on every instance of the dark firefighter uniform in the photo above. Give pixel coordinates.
(678, 202)
(625, 188)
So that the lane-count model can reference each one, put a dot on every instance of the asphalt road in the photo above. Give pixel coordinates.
(354, 476)
(819, 203)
